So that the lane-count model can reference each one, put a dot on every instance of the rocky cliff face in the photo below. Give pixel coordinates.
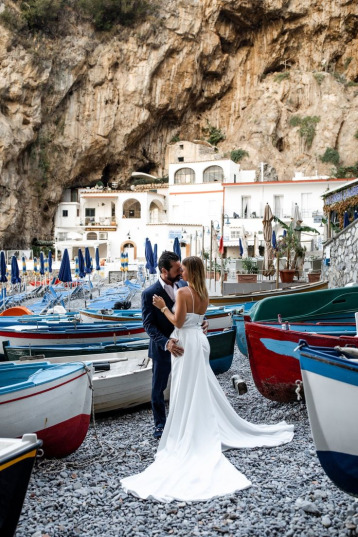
(87, 106)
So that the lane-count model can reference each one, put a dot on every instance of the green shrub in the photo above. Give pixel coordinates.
(12, 19)
(282, 76)
(330, 155)
(214, 134)
(356, 134)
(41, 14)
(107, 13)
(307, 129)
(238, 154)
(319, 78)
(175, 138)
(347, 61)
(346, 171)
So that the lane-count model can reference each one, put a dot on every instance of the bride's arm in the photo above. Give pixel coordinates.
(177, 318)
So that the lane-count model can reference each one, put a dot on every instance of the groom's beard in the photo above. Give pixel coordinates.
(175, 279)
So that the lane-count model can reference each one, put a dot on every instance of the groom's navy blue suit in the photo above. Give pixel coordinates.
(159, 329)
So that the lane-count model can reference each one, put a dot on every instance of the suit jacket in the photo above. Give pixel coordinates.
(155, 322)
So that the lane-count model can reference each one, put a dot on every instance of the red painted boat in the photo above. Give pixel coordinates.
(275, 359)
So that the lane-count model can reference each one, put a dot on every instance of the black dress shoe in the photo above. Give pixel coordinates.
(158, 431)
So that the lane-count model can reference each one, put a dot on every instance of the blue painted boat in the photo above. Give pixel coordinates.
(318, 327)
(331, 388)
(17, 457)
(222, 344)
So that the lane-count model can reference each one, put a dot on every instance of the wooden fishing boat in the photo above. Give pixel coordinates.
(218, 317)
(84, 350)
(330, 305)
(259, 295)
(17, 457)
(221, 342)
(274, 355)
(81, 333)
(51, 400)
(124, 379)
(331, 387)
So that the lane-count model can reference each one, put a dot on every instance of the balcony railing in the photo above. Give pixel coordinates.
(102, 221)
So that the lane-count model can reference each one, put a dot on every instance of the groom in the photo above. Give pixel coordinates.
(157, 326)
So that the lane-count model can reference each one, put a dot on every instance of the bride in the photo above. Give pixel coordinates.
(189, 464)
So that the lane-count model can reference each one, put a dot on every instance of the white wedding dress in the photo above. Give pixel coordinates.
(189, 464)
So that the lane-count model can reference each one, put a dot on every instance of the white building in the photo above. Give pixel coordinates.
(203, 189)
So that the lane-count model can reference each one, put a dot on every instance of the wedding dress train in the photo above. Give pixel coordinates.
(189, 464)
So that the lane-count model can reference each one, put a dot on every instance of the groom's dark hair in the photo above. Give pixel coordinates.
(166, 259)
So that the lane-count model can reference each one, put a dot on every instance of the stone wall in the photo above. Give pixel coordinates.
(343, 253)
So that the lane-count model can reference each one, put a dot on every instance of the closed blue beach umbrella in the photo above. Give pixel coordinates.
(24, 270)
(88, 261)
(155, 255)
(15, 274)
(77, 269)
(42, 264)
(149, 257)
(125, 261)
(273, 240)
(176, 247)
(284, 232)
(35, 266)
(97, 260)
(81, 264)
(122, 262)
(346, 221)
(49, 261)
(64, 274)
(241, 250)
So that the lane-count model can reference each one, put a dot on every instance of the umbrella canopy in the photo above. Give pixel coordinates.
(267, 232)
(42, 264)
(64, 274)
(176, 248)
(49, 261)
(297, 218)
(97, 260)
(35, 265)
(241, 249)
(155, 255)
(346, 221)
(81, 264)
(77, 268)
(88, 261)
(24, 271)
(3, 277)
(274, 240)
(149, 257)
(15, 274)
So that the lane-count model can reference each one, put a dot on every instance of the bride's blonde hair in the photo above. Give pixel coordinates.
(196, 275)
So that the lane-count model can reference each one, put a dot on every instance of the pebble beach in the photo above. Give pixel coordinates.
(290, 495)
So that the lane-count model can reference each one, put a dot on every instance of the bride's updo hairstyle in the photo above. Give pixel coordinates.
(196, 275)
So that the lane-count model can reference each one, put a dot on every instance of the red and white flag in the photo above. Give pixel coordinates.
(221, 245)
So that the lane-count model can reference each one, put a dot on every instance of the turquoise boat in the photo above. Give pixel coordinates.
(325, 306)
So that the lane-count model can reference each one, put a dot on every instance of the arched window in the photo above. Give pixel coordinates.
(184, 176)
(131, 209)
(91, 236)
(212, 174)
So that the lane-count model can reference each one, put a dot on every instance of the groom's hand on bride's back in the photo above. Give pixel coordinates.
(174, 348)
(205, 326)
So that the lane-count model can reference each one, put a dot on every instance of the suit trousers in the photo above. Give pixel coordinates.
(161, 371)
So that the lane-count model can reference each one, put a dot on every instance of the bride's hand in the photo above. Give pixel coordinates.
(158, 302)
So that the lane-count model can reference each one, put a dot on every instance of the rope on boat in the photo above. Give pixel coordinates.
(55, 466)
(298, 389)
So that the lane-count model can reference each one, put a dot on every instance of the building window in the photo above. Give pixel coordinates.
(181, 146)
(306, 204)
(90, 212)
(213, 174)
(278, 206)
(235, 234)
(65, 213)
(78, 212)
(131, 209)
(74, 195)
(246, 206)
(91, 236)
(180, 159)
(184, 176)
